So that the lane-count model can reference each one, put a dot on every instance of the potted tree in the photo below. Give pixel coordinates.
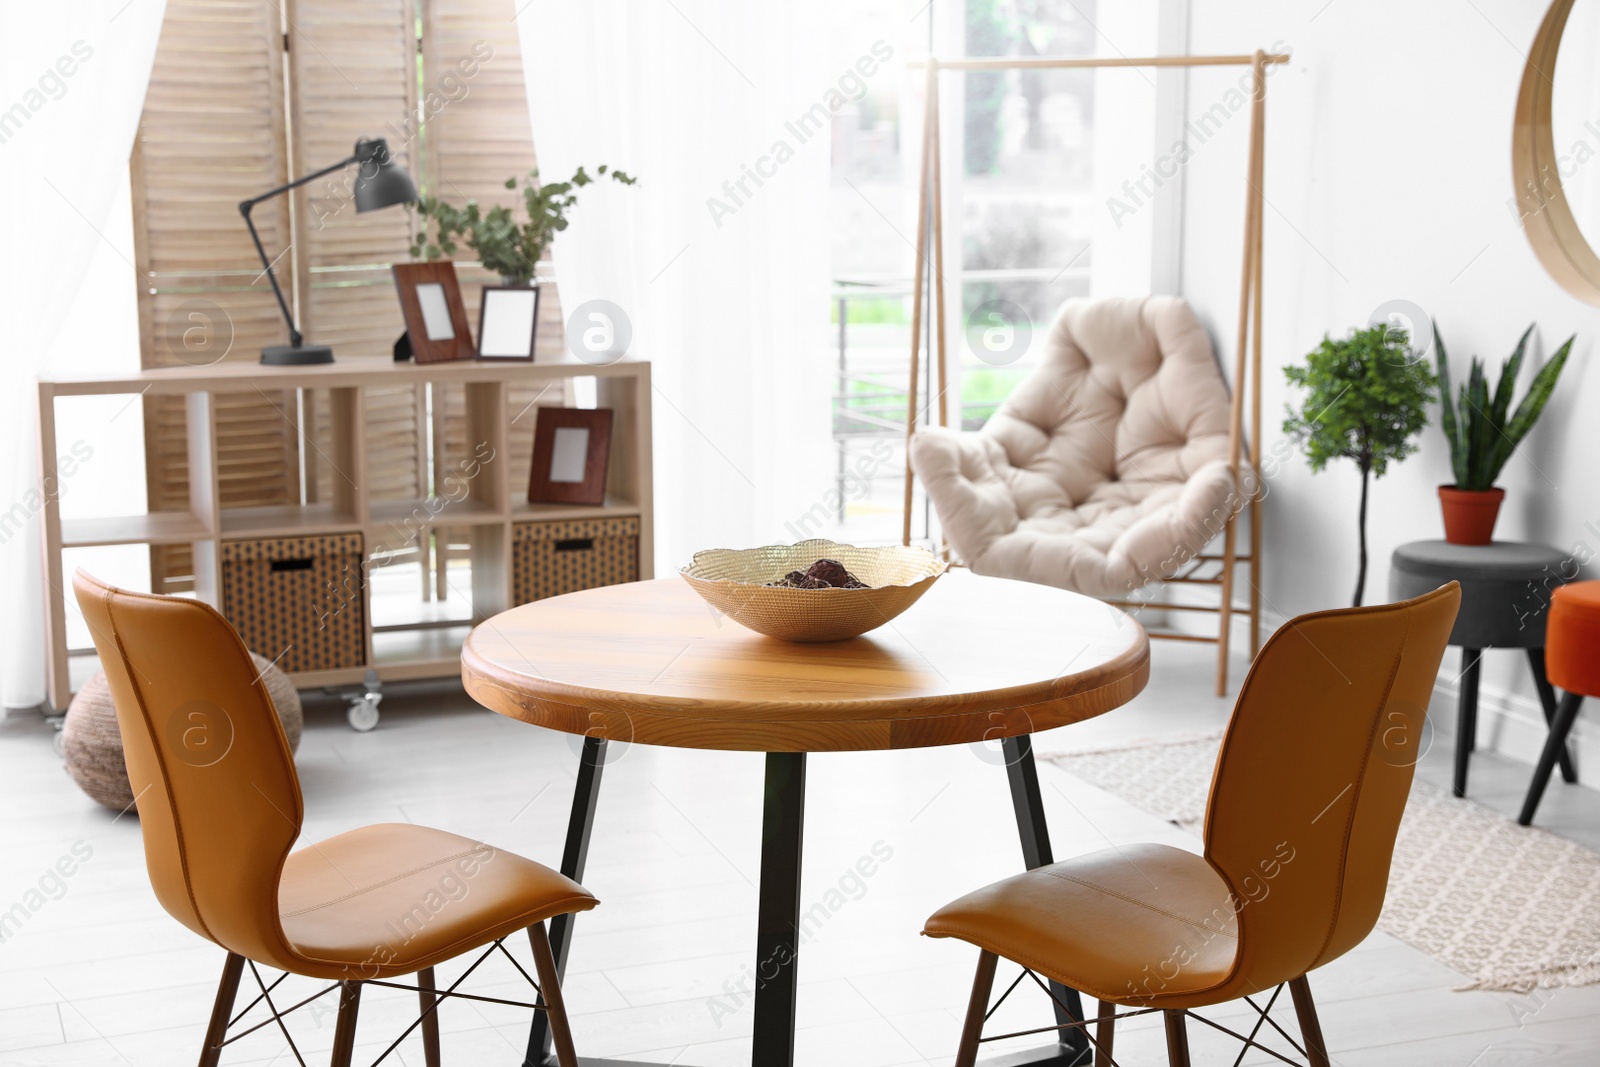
(1366, 400)
(1483, 432)
(509, 248)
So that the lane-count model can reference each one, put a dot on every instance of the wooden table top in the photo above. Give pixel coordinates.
(976, 659)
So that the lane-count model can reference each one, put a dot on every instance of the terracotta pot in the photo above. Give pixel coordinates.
(1469, 514)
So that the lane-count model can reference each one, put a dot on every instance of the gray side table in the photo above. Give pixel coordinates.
(1504, 602)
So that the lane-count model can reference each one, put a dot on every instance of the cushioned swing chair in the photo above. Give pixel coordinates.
(1108, 468)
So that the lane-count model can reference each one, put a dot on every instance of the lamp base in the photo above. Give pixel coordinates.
(296, 355)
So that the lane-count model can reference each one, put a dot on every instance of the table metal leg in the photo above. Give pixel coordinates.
(1547, 697)
(1073, 1046)
(585, 797)
(778, 918)
(778, 921)
(1466, 716)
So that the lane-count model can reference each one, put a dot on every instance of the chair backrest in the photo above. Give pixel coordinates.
(1313, 777)
(1129, 390)
(211, 770)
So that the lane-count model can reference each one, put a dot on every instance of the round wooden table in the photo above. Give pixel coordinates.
(975, 660)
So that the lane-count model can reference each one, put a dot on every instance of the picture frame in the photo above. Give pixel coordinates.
(508, 322)
(435, 316)
(571, 450)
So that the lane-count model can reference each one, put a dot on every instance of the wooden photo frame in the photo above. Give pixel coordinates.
(508, 322)
(436, 317)
(571, 448)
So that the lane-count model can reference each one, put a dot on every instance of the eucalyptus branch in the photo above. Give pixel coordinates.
(505, 245)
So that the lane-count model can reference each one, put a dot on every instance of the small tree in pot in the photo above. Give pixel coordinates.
(1366, 400)
(1483, 432)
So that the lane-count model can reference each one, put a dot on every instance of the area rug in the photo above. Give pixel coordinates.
(1511, 908)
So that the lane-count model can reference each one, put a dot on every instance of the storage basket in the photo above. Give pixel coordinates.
(300, 601)
(551, 558)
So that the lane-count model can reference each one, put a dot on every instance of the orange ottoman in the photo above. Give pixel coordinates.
(1572, 658)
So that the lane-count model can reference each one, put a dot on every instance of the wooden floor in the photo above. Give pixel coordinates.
(100, 975)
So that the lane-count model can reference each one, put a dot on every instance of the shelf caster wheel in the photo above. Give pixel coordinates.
(58, 740)
(363, 713)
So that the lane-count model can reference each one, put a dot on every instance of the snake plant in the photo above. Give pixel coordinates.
(1481, 434)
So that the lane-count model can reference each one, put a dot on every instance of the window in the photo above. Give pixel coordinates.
(1028, 157)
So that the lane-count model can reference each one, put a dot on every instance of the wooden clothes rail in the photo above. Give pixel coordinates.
(1244, 460)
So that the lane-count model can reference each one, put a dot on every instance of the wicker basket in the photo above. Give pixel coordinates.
(551, 558)
(734, 581)
(91, 740)
(301, 599)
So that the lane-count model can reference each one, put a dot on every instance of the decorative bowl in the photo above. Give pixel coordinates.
(734, 582)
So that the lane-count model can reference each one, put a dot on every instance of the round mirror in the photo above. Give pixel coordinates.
(1575, 116)
(1555, 147)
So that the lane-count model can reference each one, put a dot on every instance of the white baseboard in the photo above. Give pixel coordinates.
(1512, 725)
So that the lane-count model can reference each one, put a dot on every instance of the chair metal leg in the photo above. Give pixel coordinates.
(222, 1010)
(1554, 745)
(430, 1019)
(344, 1032)
(1547, 699)
(1177, 1038)
(1105, 1030)
(977, 1008)
(555, 1006)
(1305, 1010)
(1466, 716)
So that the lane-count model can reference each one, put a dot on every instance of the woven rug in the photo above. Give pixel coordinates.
(1512, 908)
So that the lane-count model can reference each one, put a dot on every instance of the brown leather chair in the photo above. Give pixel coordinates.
(220, 807)
(1305, 804)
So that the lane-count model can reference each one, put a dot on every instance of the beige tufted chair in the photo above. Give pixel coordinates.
(1106, 469)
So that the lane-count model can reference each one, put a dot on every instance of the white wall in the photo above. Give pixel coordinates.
(1124, 131)
(1388, 175)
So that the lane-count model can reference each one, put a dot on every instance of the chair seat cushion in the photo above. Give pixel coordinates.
(394, 898)
(1106, 468)
(1147, 924)
(1123, 537)
(1572, 651)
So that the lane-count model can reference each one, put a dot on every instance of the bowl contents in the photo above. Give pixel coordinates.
(823, 574)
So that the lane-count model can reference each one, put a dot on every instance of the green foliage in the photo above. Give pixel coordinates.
(504, 245)
(1481, 438)
(984, 389)
(989, 32)
(1366, 399)
(872, 311)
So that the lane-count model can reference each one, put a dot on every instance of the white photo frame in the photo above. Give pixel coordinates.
(508, 322)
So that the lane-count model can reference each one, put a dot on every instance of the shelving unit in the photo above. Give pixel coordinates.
(480, 501)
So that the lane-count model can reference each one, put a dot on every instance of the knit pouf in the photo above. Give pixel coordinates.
(92, 743)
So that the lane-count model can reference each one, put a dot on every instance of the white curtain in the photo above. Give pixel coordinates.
(72, 83)
(718, 258)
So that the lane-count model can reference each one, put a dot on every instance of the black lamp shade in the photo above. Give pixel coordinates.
(380, 181)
